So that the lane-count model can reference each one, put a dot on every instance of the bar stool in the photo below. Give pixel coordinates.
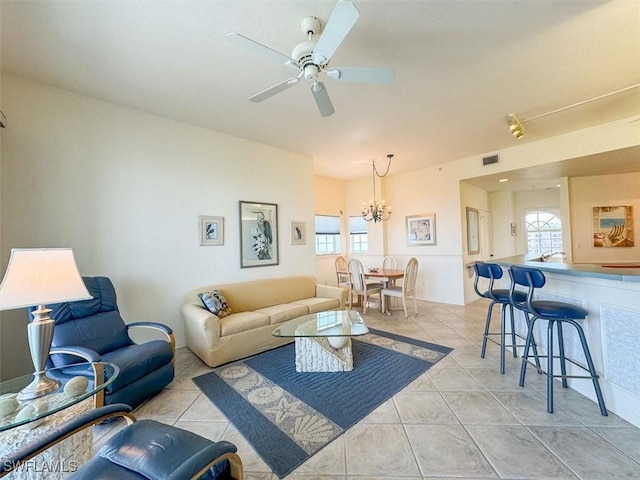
(492, 272)
(556, 314)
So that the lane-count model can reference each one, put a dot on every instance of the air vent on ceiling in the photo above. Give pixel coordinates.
(490, 160)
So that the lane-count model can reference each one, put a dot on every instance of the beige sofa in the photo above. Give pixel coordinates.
(256, 308)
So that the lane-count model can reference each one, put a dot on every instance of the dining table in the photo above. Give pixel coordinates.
(386, 276)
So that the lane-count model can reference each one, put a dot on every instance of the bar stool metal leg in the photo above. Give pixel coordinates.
(503, 337)
(592, 368)
(563, 361)
(550, 366)
(527, 347)
(530, 344)
(513, 332)
(487, 325)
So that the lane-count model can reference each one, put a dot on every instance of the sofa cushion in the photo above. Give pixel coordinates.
(241, 322)
(286, 311)
(215, 302)
(253, 295)
(315, 304)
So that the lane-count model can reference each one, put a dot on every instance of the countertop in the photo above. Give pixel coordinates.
(596, 270)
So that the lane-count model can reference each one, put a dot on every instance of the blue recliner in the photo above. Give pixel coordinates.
(94, 331)
(144, 450)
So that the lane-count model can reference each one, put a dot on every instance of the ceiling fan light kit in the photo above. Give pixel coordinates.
(311, 58)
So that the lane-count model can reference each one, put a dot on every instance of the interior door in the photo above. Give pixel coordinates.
(486, 238)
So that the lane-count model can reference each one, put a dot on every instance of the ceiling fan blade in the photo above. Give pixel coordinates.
(363, 75)
(277, 88)
(261, 49)
(323, 101)
(342, 19)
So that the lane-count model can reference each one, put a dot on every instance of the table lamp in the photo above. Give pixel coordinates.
(37, 276)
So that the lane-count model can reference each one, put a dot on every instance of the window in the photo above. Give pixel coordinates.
(544, 231)
(358, 240)
(327, 234)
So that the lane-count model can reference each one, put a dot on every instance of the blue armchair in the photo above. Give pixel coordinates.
(143, 450)
(94, 331)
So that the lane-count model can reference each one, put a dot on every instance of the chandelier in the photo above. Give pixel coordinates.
(377, 212)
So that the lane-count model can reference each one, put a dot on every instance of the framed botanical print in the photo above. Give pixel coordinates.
(298, 233)
(258, 234)
(211, 230)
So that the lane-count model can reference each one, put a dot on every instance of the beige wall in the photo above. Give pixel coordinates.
(3, 320)
(608, 190)
(329, 197)
(125, 188)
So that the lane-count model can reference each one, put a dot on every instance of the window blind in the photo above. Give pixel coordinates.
(327, 225)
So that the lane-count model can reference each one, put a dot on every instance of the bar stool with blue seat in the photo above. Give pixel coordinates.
(556, 314)
(493, 272)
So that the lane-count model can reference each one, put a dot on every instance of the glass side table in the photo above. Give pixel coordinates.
(38, 408)
(44, 414)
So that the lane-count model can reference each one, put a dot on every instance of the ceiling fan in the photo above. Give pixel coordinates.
(311, 57)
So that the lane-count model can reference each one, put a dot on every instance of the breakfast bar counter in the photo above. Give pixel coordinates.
(612, 271)
(611, 295)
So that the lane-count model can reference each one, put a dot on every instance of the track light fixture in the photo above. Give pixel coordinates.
(515, 127)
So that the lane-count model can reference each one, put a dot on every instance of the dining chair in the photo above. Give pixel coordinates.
(342, 273)
(359, 285)
(407, 289)
(389, 263)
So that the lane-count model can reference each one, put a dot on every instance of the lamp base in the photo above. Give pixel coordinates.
(41, 385)
(40, 332)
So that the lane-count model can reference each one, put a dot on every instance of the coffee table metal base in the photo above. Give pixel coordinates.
(316, 354)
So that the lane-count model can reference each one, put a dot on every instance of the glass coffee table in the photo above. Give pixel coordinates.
(323, 339)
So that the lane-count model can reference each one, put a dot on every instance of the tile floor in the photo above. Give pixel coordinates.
(461, 419)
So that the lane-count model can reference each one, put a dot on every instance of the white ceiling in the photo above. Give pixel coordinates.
(461, 68)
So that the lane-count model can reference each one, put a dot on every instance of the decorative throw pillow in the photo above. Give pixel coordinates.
(215, 302)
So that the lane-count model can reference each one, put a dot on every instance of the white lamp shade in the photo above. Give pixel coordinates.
(38, 276)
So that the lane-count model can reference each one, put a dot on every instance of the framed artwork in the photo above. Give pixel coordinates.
(473, 234)
(258, 234)
(421, 229)
(613, 226)
(298, 233)
(211, 230)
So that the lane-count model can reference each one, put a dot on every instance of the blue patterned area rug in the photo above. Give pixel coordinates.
(288, 416)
